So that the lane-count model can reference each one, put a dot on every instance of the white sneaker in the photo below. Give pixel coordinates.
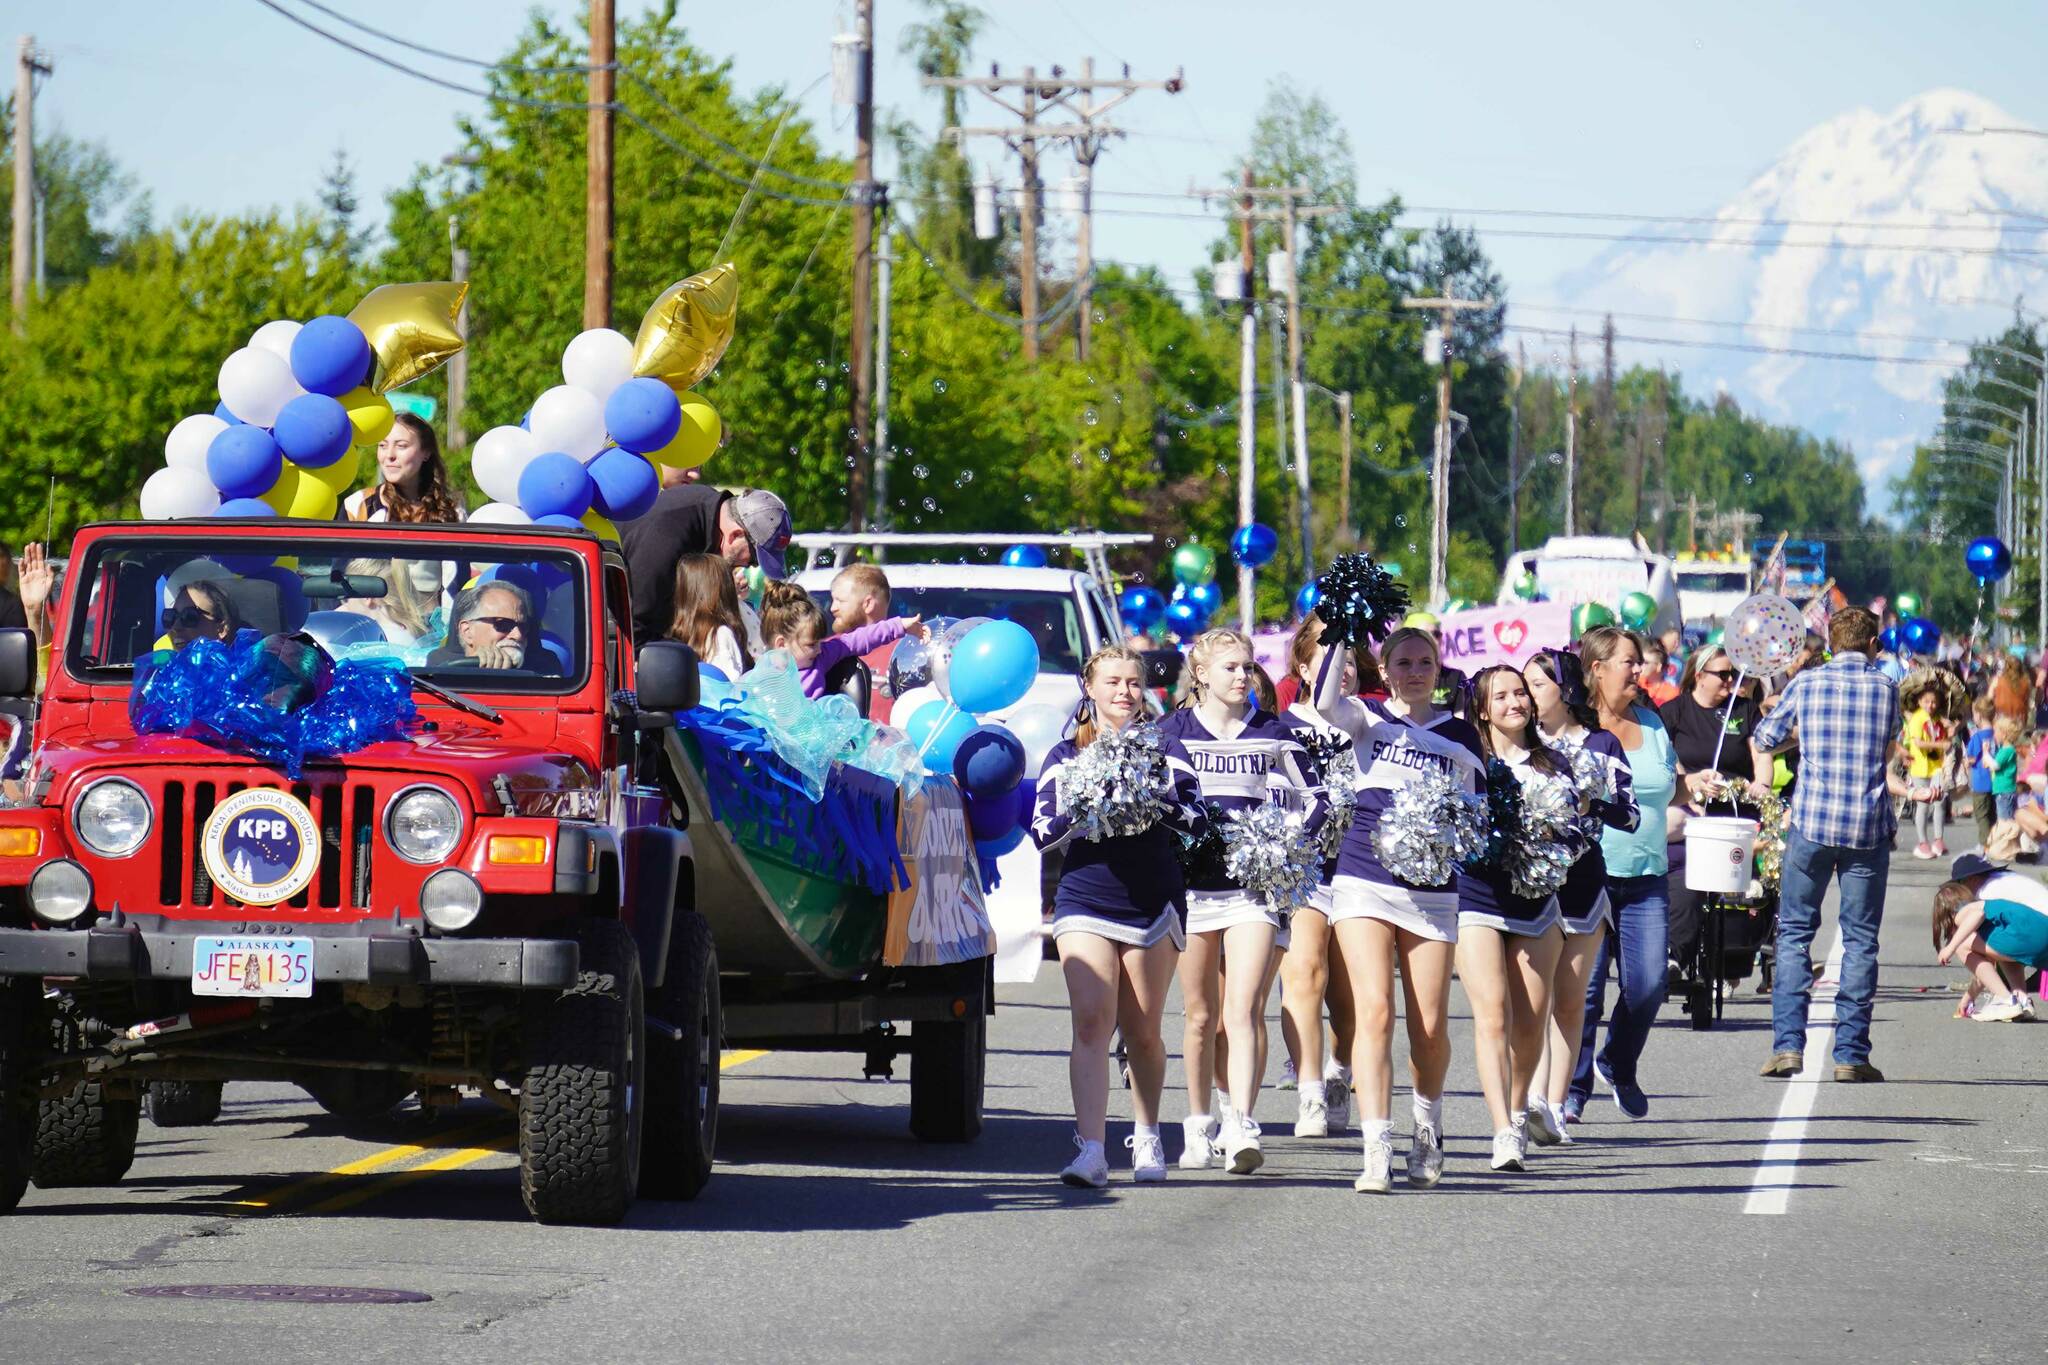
(1558, 1125)
(1090, 1169)
(1509, 1148)
(1337, 1102)
(1312, 1118)
(2027, 1005)
(1425, 1158)
(1378, 1175)
(1544, 1129)
(1148, 1158)
(2000, 1009)
(1198, 1147)
(1289, 1078)
(1241, 1151)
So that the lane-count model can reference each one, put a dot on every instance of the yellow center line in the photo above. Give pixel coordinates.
(385, 1184)
(270, 1199)
(740, 1056)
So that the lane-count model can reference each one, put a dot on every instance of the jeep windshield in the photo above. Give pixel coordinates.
(471, 617)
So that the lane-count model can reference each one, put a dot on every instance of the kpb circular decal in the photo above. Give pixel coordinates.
(261, 846)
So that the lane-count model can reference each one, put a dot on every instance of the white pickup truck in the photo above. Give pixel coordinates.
(1070, 612)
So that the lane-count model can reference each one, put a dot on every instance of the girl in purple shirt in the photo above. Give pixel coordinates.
(792, 621)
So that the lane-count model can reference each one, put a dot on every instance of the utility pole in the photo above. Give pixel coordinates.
(1571, 439)
(597, 188)
(1446, 306)
(1279, 391)
(1345, 539)
(1085, 134)
(884, 261)
(1299, 392)
(858, 356)
(1247, 409)
(28, 65)
(458, 364)
(1515, 455)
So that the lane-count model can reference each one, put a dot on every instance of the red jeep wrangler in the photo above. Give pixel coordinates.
(494, 903)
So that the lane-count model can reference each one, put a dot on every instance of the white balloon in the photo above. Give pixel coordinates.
(912, 698)
(256, 385)
(176, 492)
(185, 447)
(570, 420)
(499, 514)
(598, 360)
(1037, 728)
(499, 457)
(276, 337)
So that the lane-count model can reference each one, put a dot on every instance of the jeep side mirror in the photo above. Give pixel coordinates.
(665, 676)
(17, 662)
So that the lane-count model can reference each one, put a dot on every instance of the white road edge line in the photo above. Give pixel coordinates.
(1779, 1164)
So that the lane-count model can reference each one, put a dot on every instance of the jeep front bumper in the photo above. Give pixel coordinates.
(129, 954)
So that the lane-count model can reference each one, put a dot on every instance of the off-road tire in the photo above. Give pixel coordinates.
(20, 1010)
(84, 1137)
(360, 1096)
(682, 1075)
(183, 1104)
(581, 1098)
(948, 1062)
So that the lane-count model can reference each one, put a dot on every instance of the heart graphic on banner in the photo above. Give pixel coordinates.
(1510, 634)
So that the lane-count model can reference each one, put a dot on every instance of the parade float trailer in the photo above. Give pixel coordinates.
(1598, 569)
(541, 888)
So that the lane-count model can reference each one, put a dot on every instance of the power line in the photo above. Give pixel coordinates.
(443, 53)
(1882, 224)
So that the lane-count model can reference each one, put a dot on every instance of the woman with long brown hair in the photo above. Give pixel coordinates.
(412, 482)
(708, 614)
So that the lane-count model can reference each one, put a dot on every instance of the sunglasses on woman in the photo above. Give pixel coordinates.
(1724, 674)
(188, 618)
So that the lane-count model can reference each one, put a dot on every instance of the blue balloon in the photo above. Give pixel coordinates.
(989, 763)
(1308, 599)
(643, 415)
(996, 848)
(990, 818)
(1988, 559)
(1922, 636)
(1024, 557)
(220, 410)
(1142, 608)
(1889, 639)
(246, 507)
(624, 485)
(313, 431)
(1255, 545)
(554, 485)
(1184, 618)
(939, 742)
(1208, 599)
(244, 461)
(330, 355)
(993, 667)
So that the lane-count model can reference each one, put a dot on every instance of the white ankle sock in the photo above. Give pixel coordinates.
(1378, 1130)
(1314, 1090)
(1429, 1110)
(1334, 1070)
(1146, 1130)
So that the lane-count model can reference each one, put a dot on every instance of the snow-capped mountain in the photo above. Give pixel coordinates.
(1876, 234)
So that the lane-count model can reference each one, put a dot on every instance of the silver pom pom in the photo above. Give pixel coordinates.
(1549, 842)
(1117, 786)
(1429, 829)
(1265, 853)
(1338, 765)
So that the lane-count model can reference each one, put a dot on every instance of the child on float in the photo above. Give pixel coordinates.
(1378, 919)
(708, 616)
(1118, 915)
(1564, 714)
(792, 620)
(1240, 755)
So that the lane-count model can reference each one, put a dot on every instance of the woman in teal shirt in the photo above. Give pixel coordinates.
(1636, 889)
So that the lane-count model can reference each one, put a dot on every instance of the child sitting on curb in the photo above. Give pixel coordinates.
(792, 621)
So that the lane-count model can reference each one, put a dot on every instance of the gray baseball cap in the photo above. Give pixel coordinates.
(765, 519)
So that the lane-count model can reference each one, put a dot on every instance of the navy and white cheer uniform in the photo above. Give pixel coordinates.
(1582, 900)
(1128, 889)
(1260, 761)
(1300, 717)
(1392, 751)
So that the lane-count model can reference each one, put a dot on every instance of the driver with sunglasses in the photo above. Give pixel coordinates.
(493, 627)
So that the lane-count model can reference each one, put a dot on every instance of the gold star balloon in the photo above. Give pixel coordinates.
(411, 329)
(687, 330)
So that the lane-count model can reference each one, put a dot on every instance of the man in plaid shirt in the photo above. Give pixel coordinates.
(1844, 718)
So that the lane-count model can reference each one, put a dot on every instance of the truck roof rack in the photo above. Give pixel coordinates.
(1093, 546)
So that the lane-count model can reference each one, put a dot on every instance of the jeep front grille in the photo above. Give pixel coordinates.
(347, 816)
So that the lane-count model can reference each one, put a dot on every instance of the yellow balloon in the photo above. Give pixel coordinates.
(369, 414)
(597, 524)
(280, 494)
(311, 500)
(411, 328)
(696, 439)
(340, 476)
(687, 330)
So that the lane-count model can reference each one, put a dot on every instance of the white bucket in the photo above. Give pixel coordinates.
(1718, 850)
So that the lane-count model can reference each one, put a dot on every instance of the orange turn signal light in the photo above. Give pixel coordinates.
(518, 850)
(22, 841)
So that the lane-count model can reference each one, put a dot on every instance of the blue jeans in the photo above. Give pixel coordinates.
(1861, 873)
(1639, 946)
(2006, 803)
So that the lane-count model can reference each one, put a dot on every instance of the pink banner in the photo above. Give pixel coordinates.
(1478, 639)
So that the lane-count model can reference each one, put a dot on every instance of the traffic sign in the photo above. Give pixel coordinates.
(419, 405)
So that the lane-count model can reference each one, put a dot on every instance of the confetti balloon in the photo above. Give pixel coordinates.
(1763, 634)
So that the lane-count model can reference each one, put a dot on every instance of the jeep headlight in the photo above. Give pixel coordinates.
(424, 825)
(112, 817)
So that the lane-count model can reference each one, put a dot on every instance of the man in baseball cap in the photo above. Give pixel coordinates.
(743, 526)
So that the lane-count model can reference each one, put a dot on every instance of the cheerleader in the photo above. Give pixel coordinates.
(1117, 923)
(1379, 919)
(1508, 944)
(1565, 716)
(1238, 752)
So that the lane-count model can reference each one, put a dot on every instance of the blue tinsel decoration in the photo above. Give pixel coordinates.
(277, 698)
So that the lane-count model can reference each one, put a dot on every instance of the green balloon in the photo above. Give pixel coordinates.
(1458, 604)
(1638, 609)
(1421, 620)
(1907, 604)
(1714, 638)
(1587, 615)
(1194, 565)
(1525, 586)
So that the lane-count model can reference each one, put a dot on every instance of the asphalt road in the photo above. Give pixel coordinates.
(1911, 1212)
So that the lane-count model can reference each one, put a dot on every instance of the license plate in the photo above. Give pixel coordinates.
(253, 967)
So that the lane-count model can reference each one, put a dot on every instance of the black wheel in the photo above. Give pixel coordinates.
(84, 1136)
(182, 1104)
(1699, 1003)
(579, 1110)
(682, 1073)
(358, 1095)
(948, 1061)
(20, 1009)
